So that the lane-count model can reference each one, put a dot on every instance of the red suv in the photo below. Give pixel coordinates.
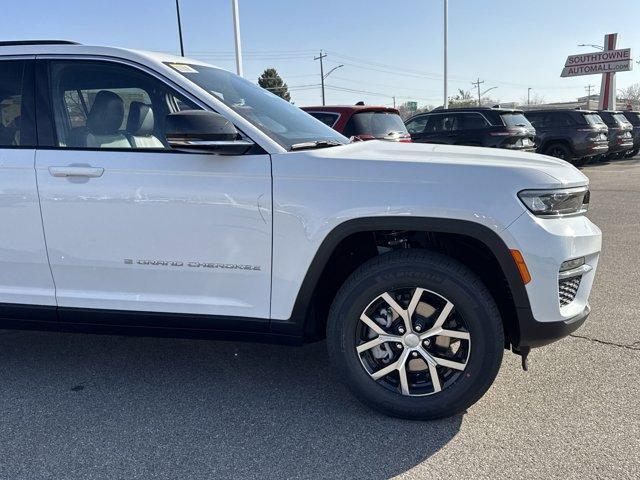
(364, 122)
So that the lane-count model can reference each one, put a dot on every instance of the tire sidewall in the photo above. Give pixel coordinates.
(487, 341)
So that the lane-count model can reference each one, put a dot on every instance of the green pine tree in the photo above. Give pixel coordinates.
(270, 80)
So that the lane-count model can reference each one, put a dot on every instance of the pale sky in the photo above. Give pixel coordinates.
(388, 48)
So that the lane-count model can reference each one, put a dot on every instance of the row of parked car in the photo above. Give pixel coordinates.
(577, 136)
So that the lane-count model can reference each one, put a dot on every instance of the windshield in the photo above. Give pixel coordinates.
(515, 120)
(277, 118)
(376, 124)
(593, 119)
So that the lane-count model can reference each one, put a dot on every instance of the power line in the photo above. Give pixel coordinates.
(295, 87)
(380, 94)
(403, 71)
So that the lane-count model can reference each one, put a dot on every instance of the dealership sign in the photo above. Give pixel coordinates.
(608, 61)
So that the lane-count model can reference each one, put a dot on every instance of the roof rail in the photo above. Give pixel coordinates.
(37, 42)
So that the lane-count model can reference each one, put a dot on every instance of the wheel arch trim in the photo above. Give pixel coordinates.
(489, 238)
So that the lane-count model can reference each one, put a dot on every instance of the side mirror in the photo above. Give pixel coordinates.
(204, 131)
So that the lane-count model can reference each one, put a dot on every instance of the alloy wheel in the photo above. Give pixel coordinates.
(413, 341)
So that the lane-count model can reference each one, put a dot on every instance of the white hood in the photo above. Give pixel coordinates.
(532, 165)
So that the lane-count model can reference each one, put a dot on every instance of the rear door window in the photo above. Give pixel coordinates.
(16, 104)
(470, 121)
(633, 117)
(560, 120)
(328, 118)
(416, 125)
(537, 120)
(440, 123)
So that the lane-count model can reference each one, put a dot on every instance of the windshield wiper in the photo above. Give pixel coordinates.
(315, 144)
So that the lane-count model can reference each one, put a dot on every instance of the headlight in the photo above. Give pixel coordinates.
(556, 203)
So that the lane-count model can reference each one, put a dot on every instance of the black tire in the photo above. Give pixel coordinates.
(632, 153)
(439, 274)
(559, 150)
(580, 162)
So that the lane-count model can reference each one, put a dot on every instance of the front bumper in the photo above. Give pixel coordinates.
(545, 244)
(537, 334)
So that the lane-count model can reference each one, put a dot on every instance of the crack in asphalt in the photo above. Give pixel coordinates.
(631, 346)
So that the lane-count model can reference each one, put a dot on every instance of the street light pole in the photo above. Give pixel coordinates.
(446, 41)
(179, 28)
(236, 31)
(322, 76)
(529, 96)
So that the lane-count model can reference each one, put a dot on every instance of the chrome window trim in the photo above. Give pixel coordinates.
(456, 113)
(16, 57)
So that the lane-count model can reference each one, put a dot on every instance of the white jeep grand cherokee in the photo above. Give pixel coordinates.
(143, 193)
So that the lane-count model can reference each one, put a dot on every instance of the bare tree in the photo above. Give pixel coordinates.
(536, 99)
(405, 112)
(630, 94)
(462, 99)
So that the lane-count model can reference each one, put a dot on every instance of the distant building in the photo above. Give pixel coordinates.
(586, 103)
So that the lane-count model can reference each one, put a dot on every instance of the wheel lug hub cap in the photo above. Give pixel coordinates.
(411, 340)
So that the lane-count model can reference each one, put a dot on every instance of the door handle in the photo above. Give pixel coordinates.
(90, 172)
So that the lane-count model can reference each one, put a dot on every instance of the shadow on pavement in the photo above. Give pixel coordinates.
(90, 406)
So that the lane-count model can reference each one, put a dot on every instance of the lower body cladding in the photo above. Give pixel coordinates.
(561, 255)
(620, 146)
(593, 149)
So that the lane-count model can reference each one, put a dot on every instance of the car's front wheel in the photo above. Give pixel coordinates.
(559, 150)
(415, 334)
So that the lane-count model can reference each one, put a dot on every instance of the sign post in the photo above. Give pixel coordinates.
(608, 83)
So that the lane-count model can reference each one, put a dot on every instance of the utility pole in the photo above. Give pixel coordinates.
(446, 40)
(394, 101)
(236, 32)
(320, 57)
(588, 89)
(529, 96)
(179, 28)
(477, 85)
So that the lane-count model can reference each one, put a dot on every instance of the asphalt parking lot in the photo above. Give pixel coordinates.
(88, 406)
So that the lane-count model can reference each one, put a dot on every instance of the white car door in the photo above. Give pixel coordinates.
(132, 225)
(25, 277)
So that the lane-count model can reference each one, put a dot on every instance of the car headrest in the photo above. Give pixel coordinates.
(106, 114)
(140, 120)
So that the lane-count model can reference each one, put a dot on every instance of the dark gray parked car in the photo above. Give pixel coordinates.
(620, 137)
(634, 119)
(573, 135)
(476, 126)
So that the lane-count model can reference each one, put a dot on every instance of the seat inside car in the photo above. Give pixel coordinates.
(104, 121)
(141, 125)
